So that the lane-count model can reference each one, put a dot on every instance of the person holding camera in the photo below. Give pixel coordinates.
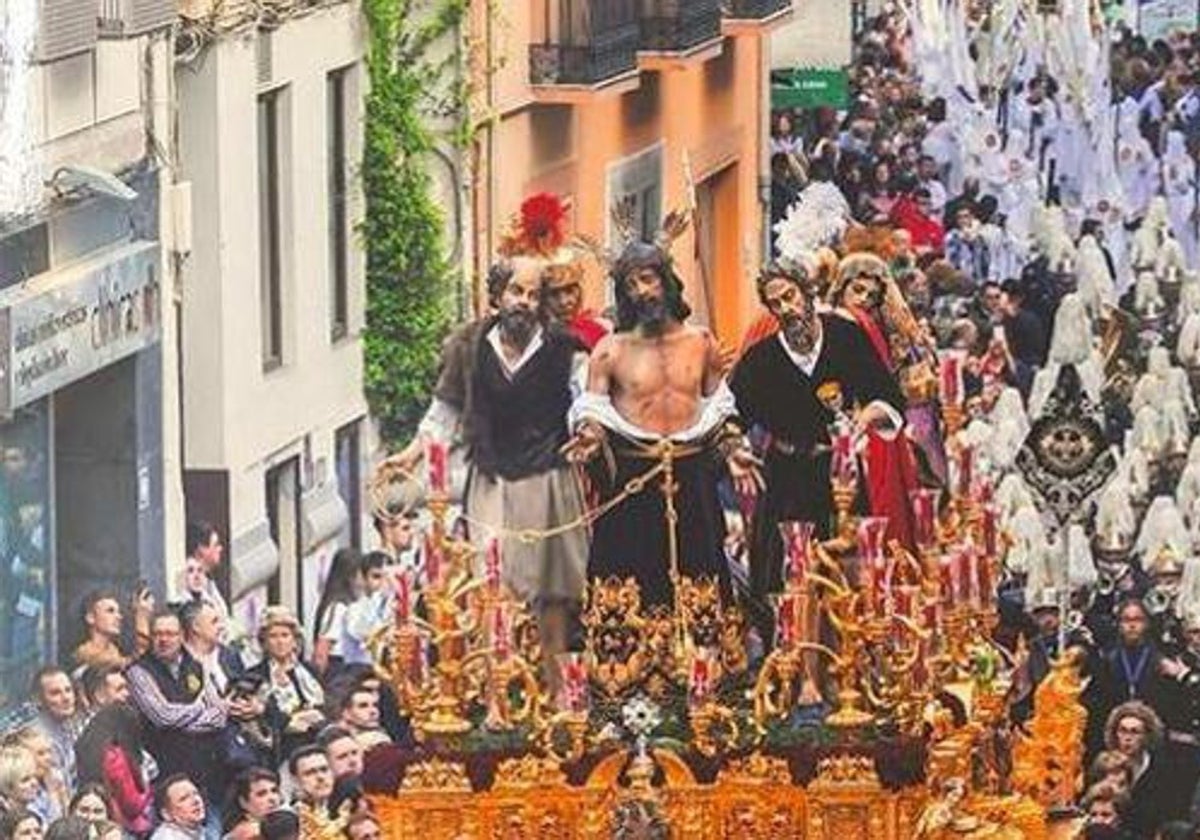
(246, 740)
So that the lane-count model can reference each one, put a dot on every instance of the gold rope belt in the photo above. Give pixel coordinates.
(529, 536)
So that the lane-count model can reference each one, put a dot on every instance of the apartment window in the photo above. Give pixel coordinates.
(339, 268)
(635, 190)
(269, 233)
(24, 254)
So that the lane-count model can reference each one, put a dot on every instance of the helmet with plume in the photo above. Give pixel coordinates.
(539, 231)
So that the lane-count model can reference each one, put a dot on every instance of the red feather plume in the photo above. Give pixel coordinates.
(540, 227)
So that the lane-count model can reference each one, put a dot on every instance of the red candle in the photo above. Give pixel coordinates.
(574, 682)
(842, 465)
(500, 634)
(403, 596)
(959, 574)
(905, 597)
(867, 585)
(952, 377)
(700, 678)
(433, 560)
(435, 456)
(933, 614)
(966, 470)
(871, 532)
(970, 559)
(416, 667)
(984, 571)
(797, 548)
(985, 491)
(990, 528)
(924, 502)
(492, 564)
(946, 568)
(786, 619)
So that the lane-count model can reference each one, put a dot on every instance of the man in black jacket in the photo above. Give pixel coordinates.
(1024, 333)
(182, 709)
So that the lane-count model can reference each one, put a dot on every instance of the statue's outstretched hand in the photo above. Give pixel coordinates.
(585, 444)
(745, 468)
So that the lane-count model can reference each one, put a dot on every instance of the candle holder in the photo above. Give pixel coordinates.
(459, 656)
(714, 728)
(512, 693)
(845, 493)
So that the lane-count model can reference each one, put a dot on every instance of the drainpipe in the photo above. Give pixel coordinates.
(764, 145)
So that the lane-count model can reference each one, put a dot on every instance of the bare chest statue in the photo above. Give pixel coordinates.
(658, 382)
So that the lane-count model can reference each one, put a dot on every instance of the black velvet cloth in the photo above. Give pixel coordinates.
(631, 540)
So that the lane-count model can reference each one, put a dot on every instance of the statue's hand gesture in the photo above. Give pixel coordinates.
(585, 444)
(746, 471)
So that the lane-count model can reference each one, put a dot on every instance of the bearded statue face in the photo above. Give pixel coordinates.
(794, 310)
(519, 303)
(648, 295)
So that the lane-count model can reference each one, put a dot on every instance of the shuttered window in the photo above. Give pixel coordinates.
(148, 15)
(66, 27)
(126, 18)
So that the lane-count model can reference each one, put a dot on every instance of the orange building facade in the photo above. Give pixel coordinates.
(647, 104)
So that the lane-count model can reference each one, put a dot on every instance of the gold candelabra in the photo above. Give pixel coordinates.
(460, 656)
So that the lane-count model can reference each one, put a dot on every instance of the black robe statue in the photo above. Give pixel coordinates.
(774, 394)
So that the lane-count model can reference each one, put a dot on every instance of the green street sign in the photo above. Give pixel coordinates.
(810, 87)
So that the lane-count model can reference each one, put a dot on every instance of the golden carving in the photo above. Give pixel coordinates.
(757, 768)
(614, 628)
(436, 775)
(528, 771)
(846, 770)
(316, 825)
(1048, 763)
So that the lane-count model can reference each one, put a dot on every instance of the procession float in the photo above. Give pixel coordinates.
(881, 711)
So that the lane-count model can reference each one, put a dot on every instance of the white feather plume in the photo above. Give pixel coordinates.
(819, 218)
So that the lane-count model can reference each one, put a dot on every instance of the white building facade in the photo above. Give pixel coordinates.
(270, 133)
(90, 491)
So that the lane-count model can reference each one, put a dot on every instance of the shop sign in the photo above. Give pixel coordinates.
(62, 326)
(812, 88)
(1160, 18)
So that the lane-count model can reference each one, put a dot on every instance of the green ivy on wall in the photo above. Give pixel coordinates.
(408, 272)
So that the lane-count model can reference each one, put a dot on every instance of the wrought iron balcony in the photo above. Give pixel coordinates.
(679, 25)
(754, 9)
(585, 42)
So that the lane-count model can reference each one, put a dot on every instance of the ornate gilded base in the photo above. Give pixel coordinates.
(753, 798)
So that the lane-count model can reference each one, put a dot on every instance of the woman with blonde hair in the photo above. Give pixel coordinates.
(19, 785)
(53, 794)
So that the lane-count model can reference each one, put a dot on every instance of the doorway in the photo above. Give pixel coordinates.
(283, 518)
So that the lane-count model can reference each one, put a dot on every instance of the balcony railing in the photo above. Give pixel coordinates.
(585, 42)
(754, 9)
(679, 25)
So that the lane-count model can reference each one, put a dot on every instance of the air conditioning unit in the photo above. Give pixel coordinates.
(127, 18)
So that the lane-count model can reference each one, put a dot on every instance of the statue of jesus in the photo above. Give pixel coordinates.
(656, 401)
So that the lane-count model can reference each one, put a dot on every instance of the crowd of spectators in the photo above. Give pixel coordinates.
(185, 726)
